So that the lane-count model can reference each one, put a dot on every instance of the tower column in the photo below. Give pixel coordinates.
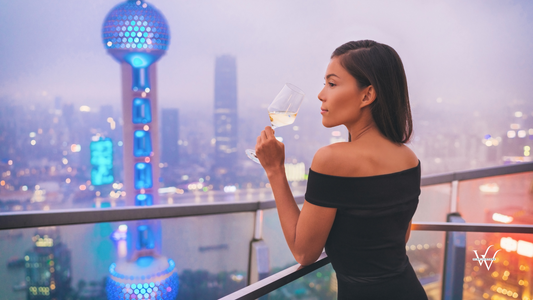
(129, 127)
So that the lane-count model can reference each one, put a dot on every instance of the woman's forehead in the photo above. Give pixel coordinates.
(335, 67)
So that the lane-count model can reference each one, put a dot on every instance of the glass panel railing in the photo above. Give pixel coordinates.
(210, 254)
(424, 249)
(279, 253)
(434, 203)
(319, 284)
(498, 199)
(508, 276)
(426, 254)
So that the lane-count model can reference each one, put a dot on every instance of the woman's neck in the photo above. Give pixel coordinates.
(358, 131)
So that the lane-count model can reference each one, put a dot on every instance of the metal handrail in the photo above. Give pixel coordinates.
(477, 173)
(275, 281)
(26, 219)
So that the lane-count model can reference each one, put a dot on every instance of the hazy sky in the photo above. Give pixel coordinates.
(468, 53)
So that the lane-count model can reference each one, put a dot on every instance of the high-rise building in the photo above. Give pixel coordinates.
(8, 129)
(48, 266)
(225, 118)
(170, 136)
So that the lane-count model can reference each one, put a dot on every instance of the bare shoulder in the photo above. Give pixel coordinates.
(409, 155)
(335, 159)
(359, 160)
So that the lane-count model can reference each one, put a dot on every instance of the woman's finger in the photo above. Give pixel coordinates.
(264, 135)
(269, 132)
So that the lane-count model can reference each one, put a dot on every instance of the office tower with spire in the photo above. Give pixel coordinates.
(225, 119)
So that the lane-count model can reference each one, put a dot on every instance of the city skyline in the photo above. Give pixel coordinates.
(490, 70)
(78, 131)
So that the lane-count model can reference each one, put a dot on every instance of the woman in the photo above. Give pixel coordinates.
(362, 194)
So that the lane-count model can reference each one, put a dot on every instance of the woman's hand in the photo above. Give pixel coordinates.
(270, 151)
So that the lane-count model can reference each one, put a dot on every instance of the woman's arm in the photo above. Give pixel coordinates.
(306, 232)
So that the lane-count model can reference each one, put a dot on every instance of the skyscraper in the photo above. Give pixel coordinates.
(169, 136)
(225, 118)
(48, 266)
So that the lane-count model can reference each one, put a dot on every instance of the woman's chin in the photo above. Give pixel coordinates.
(327, 124)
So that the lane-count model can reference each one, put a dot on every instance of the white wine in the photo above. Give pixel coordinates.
(281, 118)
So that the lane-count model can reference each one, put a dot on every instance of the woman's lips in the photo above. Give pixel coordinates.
(323, 111)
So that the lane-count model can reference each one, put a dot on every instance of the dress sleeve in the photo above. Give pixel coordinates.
(318, 191)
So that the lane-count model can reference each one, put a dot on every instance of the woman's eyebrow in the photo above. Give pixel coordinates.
(331, 75)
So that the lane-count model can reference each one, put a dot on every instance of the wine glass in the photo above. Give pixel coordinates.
(282, 110)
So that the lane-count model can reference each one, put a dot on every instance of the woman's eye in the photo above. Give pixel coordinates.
(331, 84)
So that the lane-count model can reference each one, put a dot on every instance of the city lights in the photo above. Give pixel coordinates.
(490, 188)
(117, 186)
(521, 247)
(230, 189)
(502, 218)
(75, 148)
(511, 134)
(525, 248)
(44, 241)
(102, 161)
(522, 134)
(64, 161)
(295, 172)
(85, 108)
(167, 190)
(194, 186)
(527, 150)
(112, 123)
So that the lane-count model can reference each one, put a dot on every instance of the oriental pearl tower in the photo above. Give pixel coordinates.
(136, 35)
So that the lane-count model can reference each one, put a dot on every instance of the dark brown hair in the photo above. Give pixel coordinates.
(372, 63)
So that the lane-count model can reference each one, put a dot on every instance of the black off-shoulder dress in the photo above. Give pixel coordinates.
(366, 244)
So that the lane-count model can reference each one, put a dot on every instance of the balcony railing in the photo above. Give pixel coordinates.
(280, 279)
(485, 189)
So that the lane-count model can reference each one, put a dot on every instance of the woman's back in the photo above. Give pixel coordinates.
(375, 189)
(372, 154)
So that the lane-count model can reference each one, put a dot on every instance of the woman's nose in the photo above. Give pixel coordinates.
(321, 95)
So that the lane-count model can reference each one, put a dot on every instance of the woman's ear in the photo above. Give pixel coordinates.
(369, 96)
